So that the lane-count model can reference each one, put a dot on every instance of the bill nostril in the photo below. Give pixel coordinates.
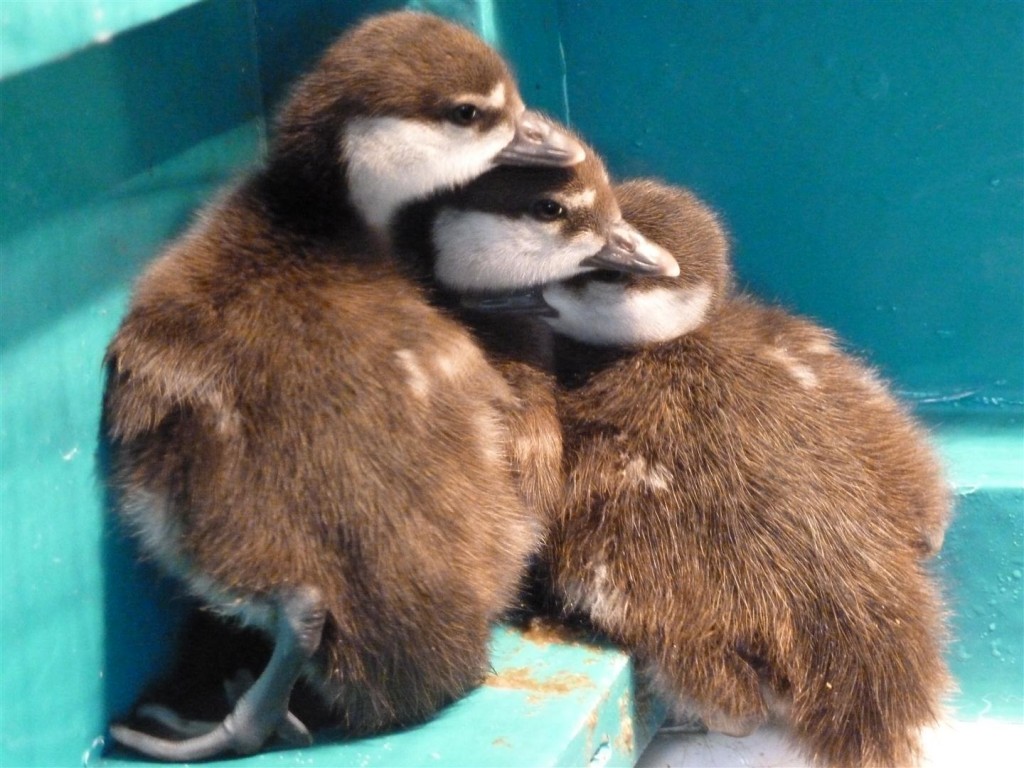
(531, 127)
(538, 142)
(622, 242)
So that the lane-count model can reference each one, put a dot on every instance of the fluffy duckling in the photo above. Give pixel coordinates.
(488, 246)
(747, 507)
(296, 434)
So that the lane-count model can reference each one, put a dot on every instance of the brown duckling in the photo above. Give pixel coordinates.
(747, 507)
(296, 434)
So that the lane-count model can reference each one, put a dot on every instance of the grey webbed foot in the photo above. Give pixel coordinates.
(181, 727)
(290, 730)
(261, 709)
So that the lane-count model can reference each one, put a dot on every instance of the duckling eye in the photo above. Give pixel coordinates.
(464, 114)
(547, 210)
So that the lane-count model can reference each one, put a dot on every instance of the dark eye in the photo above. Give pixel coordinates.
(464, 114)
(547, 210)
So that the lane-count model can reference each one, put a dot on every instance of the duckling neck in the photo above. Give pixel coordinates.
(576, 361)
(410, 236)
(524, 339)
(309, 198)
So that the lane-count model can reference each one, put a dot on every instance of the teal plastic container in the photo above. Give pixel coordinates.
(868, 159)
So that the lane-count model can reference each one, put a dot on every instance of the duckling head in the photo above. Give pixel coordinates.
(616, 308)
(406, 105)
(518, 228)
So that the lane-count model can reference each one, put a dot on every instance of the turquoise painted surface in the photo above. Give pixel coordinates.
(79, 128)
(37, 31)
(982, 565)
(868, 158)
(982, 561)
(101, 164)
(868, 161)
(544, 705)
(83, 626)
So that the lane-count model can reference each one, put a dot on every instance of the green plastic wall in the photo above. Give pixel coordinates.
(867, 158)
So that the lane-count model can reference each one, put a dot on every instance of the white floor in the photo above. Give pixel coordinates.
(978, 744)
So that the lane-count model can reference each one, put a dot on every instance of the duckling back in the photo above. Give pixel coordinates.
(296, 433)
(327, 427)
(724, 523)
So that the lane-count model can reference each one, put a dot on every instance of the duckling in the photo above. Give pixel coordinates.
(296, 434)
(488, 246)
(747, 510)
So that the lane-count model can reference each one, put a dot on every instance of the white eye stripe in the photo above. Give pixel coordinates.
(494, 100)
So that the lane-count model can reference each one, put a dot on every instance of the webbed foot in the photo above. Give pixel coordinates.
(261, 707)
(290, 730)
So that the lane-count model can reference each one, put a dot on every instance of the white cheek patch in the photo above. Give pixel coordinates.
(802, 373)
(485, 251)
(393, 161)
(607, 314)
